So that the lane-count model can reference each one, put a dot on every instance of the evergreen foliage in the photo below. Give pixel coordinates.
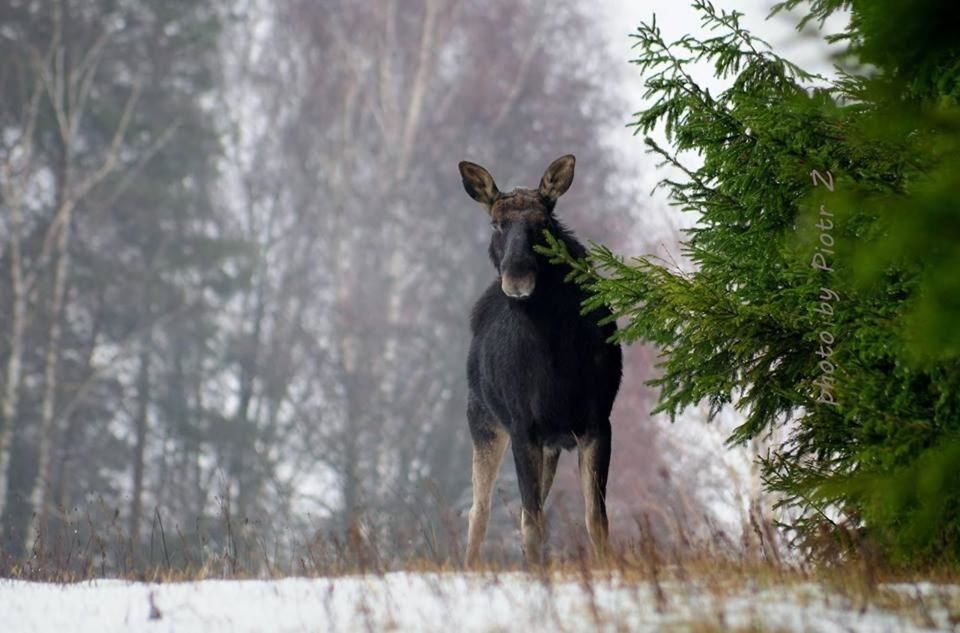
(856, 352)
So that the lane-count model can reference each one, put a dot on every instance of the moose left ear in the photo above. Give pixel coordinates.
(556, 180)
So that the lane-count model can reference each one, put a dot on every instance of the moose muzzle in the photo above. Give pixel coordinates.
(518, 287)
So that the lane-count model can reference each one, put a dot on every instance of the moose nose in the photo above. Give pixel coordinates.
(519, 287)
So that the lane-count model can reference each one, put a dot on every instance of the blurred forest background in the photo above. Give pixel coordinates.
(237, 264)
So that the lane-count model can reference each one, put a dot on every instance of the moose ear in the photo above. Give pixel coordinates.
(556, 180)
(478, 182)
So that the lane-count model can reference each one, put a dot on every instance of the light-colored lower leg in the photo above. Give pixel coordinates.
(531, 527)
(486, 464)
(595, 515)
(528, 458)
(551, 456)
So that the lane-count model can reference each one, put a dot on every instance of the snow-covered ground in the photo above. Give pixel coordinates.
(453, 602)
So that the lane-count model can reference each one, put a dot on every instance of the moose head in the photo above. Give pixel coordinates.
(518, 219)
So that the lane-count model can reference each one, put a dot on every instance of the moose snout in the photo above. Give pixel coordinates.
(518, 286)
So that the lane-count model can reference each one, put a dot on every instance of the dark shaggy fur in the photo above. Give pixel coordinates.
(541, 375)
(541, 369)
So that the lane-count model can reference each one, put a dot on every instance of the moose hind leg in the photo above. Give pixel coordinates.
(488, 452)
(529, 461)
(594, 462)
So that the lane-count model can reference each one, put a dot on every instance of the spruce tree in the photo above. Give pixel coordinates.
(824, 294)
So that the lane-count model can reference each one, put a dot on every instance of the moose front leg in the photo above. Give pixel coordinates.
(528, 456)
(488, 450)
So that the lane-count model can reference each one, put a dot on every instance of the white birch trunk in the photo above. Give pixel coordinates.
(41, 483)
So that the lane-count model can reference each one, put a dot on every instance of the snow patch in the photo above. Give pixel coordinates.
(434, 602)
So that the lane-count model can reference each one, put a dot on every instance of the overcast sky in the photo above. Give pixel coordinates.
(675, 19)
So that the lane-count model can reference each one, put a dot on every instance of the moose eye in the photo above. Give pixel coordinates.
(497, 226)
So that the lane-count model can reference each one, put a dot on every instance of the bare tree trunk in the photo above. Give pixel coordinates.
(419, 90)
(350, 487)
(350, 480)
(11, 391)
(139, 448)
(59, 494)
(13, 186)
(54, 79)
(67, 85)
(246, 425)
(41, 483)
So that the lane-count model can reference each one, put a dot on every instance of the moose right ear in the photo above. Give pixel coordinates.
(479, 183)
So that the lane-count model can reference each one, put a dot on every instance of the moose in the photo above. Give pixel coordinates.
(542, 377)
